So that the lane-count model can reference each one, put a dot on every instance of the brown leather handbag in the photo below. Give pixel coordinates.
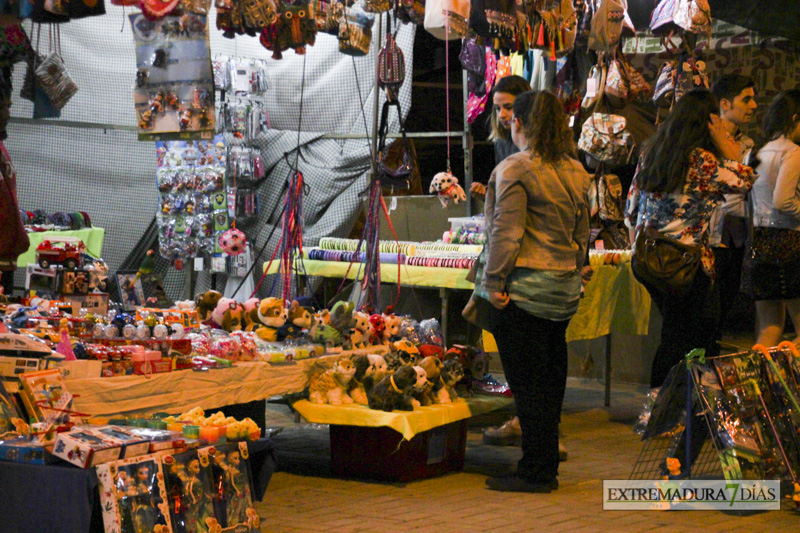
(665, 264)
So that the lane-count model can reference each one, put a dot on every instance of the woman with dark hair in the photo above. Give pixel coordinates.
(504, 93)
(685, 169)
(776, 219)
(537, 233)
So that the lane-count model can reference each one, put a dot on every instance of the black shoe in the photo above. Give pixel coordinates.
(515, 483)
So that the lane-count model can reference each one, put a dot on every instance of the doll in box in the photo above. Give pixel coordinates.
(196, 497)
(237, 485)
(143, 510)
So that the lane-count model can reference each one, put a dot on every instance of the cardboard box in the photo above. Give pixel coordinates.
(94, 302)
(81, 369)
(131, 444)
(22, 450)
(389, 457)
(152, 367)
(83, 448)
(11, 367)
(46, 396)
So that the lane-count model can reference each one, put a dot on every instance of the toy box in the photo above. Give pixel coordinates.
(22, 450)
(84, 448)
(96, 302)
(46, 396)
(11, 367)
(133, 496)
(389, 457)
(130, 443)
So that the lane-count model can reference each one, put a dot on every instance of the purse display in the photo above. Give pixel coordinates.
(665, 264)
(398, 177)
(604, 137)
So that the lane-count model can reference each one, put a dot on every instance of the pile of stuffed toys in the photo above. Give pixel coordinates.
(413, 371)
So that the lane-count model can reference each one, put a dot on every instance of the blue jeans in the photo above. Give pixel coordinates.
(534, 356)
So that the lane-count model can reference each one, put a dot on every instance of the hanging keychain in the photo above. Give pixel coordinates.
(445, 184)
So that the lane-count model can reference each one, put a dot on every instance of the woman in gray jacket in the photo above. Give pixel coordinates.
(537, 227)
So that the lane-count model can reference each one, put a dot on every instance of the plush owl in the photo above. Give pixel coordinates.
(295, 28)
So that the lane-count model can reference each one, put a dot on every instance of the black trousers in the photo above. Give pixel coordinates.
(686, 323)
(534, 356)
(729, 277)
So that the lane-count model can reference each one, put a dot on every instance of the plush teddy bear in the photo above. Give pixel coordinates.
(206, 303)
(446, 186)
(393, 391)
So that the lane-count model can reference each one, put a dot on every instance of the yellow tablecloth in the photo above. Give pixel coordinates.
(614, 302)
(91, 237)
(407, 423)
(175, 392)
(417, 276)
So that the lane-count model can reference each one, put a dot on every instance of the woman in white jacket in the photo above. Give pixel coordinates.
(776, 220)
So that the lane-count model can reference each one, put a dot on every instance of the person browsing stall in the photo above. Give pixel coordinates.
(504, 93)
(537, 229)
(728, 226)
(686, 169)
(776, 221)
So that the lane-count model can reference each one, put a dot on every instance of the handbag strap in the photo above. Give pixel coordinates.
(384, 127)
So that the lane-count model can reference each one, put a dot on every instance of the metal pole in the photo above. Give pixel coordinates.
(466, 143)
(688, 432)
(376, 94)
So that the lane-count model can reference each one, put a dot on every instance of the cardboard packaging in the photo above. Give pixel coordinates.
(85, 448)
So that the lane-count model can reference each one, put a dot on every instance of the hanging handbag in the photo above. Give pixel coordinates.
(606, 26)
(411, 11)
(391, 65)
(606, 210)
(693, 16)
(691, 75)
(665, 264)
(664, 91)
(662, 19)
(52, 76)
(617, 89)
(447, 19)
(398, 176)
(355, 32)
(604, 137)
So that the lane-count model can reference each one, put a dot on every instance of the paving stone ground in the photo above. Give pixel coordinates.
(304, 496)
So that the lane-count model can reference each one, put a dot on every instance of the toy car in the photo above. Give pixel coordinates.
(66, 251)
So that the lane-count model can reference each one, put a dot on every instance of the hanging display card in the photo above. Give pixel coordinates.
(193, 210)
(174, 91)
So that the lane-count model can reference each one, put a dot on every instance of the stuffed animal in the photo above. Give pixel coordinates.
(251, 314)
(452, 373)
(362, 380)
(398, 358)
(206, 303)
(391, 324)
(331, 385)
(270, 316)
(379, 364)
(294, 28)
(406, 346)
(376, 329)
(298, 319)
(433, 370)
(215, 319)
(393, 391)
(446, 186)
(419, 386)
(360, 335)
(336, 332)
(233, 317)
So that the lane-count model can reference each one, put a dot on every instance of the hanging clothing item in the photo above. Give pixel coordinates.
(517, 62)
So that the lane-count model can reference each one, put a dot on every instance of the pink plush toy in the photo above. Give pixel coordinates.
(446, 186)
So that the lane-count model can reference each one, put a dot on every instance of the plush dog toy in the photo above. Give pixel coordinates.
(433, 370)
(393, 391)
(360, 334)
(419, 386)
(446, 186)
(267, 318)
(206, 303)
(362, 381)
(298, 319)
(452, 373)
